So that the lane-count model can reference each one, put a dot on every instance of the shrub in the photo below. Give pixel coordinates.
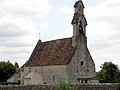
(118, 87)
(63, 85)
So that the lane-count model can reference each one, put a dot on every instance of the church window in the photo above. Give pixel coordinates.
(80, 10)
(77, 71)
(29, 69)
(85, 81)
(19, 81)
(53, 78)
(80, 25)
(87, 70)
(81, 81)
(81, 63)
(44, 82)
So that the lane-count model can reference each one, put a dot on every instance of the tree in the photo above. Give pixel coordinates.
(109, 73)
(16, 65)
(7, 69)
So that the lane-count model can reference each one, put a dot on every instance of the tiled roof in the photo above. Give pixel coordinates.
(55, 52)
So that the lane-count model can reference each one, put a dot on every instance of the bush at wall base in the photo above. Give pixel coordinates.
(118, 86)
(63, 85)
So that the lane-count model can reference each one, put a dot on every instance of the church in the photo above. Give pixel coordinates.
(67, 57)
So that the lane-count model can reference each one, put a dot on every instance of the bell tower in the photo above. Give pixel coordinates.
(79, 22)
(84, 68)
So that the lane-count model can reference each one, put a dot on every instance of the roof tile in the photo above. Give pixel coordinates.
(55, 52)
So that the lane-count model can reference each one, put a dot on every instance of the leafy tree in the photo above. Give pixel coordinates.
(16, 65)
(7, 69)
(109, 73)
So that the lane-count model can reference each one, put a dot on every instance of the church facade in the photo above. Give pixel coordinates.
(67, 57)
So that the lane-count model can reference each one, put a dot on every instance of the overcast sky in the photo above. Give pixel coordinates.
(21, 21)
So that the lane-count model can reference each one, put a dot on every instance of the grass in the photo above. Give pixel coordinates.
(63, 85)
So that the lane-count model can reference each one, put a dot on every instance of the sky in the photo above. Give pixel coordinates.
(21, 21)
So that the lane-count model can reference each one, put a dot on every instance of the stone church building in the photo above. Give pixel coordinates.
(67, 57)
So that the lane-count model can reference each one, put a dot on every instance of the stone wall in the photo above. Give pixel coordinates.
(25, 87)
(81, 64)
(46, 87)
(44, 75)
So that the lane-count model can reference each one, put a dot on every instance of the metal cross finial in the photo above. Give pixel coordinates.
(39, 35)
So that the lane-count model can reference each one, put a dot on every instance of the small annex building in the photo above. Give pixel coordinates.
(66, 57)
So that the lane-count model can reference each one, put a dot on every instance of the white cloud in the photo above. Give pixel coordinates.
(103, 31)
(19, 27)
(22, 20)
(68, 32)
(26, 7)
(66, 10)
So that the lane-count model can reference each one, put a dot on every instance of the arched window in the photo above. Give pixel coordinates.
(80, 26)
(53, 78)
(81, 63)
(86, 81)
(80, 9)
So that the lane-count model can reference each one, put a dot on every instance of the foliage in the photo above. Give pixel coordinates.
(63, 85)
(9, 83)
(118, 87)
(7, 69)
(16, 65)
(109, 73)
